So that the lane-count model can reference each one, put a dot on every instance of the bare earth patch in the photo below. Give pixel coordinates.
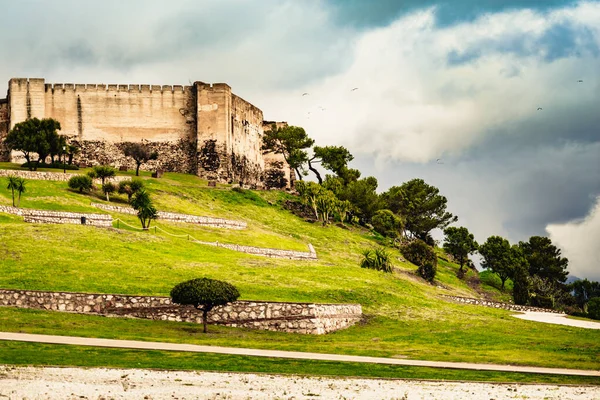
(101, 383)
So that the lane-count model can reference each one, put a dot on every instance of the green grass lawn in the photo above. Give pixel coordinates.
(404, 315)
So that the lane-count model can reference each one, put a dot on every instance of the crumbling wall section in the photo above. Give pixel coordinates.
(4, 122)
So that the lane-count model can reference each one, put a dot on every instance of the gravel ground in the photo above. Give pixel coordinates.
(100, 383)
(559, 319)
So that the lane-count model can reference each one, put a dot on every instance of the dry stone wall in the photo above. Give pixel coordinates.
(266, 252)
(495, 304)
(306, 318)
(53, 176)
(59, 217)
(176, 217)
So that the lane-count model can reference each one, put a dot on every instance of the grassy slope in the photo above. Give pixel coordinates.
(405, 316)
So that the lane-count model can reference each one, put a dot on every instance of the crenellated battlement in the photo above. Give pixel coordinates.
(102, 87)
(201, 128)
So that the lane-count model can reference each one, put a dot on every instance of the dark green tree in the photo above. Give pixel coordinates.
(583, 291)
(291, 142)
(363, 196)
(108, 188)
(140, 153)
(142, 203)
(544, 259)
(387, 224)
(33, 136)
(204, 294)
(498, 257)
(521, 279)
(332, 158)
(594, 308)
(421, 205)
(459, 243)
(423, 256)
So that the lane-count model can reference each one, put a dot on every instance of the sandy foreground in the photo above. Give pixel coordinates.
(101, 383)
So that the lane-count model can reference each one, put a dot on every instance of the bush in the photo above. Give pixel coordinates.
(378, 259)
(204, 294)
(423, 256)
(428, 270)
(275, 179)
(387, 223)
(131, 187)
(55, 165)
(594, 308)
(82, 183)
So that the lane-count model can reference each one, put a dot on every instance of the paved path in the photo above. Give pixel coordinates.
(559, 319)
(139, 345)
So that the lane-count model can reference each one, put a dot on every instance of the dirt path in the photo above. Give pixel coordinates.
(559, 319)
(134, 344)
(102, 383)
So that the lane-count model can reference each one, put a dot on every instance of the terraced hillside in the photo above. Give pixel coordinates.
(405, 316)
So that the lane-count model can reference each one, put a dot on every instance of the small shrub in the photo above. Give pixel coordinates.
(131, 187)
(594, 308)
(82, 183)
(428, 270)
(378, 259)
(423, 256)
(204, 294)
(275, 179)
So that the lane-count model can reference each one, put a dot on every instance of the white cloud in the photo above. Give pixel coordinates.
(580, 241)
(413, 105)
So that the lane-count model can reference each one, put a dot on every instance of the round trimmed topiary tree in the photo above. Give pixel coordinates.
(204, 294)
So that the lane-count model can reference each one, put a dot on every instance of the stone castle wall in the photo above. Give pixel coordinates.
(4, 122)
(303, 318)
(202, 129)
(59, 217)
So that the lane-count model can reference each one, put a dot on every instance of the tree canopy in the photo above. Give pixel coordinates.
(204, 294)
(545, 259)
(140, 153)
(459, 242)
(499, 257)
(332, 158)
(37, 136)
(291, 142)
(423, 208)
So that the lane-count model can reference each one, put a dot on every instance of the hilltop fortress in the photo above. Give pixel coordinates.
(203, 129)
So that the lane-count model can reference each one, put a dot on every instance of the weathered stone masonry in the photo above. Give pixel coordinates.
(59, 217)
(202, 129)
(303, 318)
(495, 304)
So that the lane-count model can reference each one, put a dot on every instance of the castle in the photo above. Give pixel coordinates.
(202, 129)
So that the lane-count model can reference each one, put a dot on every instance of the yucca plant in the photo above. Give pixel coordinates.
(378, 259)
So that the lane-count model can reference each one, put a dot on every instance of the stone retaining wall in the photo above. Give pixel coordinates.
(176, 217)
(495, 304)
(303, 318)
(266, 252)
(58, 217)
(53, 176)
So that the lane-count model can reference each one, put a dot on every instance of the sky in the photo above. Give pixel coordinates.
(496, 103)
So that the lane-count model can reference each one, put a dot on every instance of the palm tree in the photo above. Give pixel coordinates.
(143, 205)
(20, 189)
(13, 184)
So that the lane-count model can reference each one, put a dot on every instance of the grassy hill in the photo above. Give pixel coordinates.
(404, 315)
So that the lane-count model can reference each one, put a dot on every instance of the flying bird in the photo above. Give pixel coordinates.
(439, 161)
(304, 94)
(580, 81)
(354, 89)
(539, 109)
